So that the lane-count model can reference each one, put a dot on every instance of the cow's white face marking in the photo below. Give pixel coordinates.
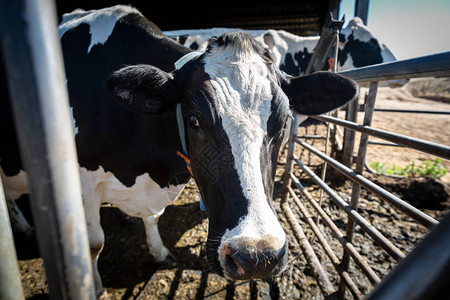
(101, 22)
(243, 93)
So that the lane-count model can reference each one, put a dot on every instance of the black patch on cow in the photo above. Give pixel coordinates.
(194, 46)
(362, 53)
(182, 39)
(125, 143)
(297, 67)
(9, 149)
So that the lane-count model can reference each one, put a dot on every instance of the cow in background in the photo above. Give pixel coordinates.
(358, 47)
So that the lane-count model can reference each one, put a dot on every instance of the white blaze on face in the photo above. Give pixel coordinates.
(243, 94)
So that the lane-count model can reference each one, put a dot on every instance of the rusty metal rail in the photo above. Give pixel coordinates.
(433, 65)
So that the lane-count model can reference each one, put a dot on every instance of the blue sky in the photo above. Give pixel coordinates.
(409, 28)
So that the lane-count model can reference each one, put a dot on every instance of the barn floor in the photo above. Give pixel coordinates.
(128, 271)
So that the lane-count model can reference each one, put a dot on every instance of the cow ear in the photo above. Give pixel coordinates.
(143, 88)
(319, 92)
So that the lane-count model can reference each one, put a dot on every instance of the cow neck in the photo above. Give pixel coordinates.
(181, 130)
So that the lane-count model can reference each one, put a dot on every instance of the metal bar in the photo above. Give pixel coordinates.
(356, 188)
(289, 159)
(415, 143)
(326, 247)
(324, 166)
(349, 135)
(324, 46)
(430, 65)
(398, 203)
(317, 269)
(382, 241)
(425, 272)
(386, 144)
(360, 262)
(41, 112)
(362, 10)
(414, 111)
(10, 283)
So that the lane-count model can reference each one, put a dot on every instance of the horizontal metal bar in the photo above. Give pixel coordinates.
(386, 144)
(359, 260)
(414, 111)
(407, 208)
(415, 143)
(317, 269)
(311, 136)
(381, 240)
(430, 65)
(425, 272)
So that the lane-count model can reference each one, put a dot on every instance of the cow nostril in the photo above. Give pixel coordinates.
(245, 261)
(234, 266)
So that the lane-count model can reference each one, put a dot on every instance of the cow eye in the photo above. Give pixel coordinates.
(193, 122)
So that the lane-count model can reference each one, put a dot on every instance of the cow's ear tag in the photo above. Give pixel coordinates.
(186, 58)
(178, 65)
(202, 205)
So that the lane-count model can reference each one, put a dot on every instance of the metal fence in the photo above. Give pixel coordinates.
(294, 194)
(35, 70)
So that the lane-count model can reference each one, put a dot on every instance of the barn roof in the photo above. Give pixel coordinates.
(301, 17)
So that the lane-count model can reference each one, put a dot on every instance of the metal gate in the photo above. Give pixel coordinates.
(420, 275)
(36, 77)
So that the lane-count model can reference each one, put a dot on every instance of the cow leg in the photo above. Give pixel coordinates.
(96, 240)
(155, 244)
(14, 187)
(18, 221)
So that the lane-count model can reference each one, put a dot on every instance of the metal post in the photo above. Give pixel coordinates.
(10, 283)
(356, 189)
(362, 10)
(41, 112)
(289, 159)
(349, 135)
(425, 272)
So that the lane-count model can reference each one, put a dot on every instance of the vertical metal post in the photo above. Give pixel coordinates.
(290, 158)
(362, 10)
(41, 112)
(356, 189)
(349, 135)
(10, 283)
(425, 272)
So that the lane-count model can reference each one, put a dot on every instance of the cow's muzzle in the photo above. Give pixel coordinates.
(248, 258)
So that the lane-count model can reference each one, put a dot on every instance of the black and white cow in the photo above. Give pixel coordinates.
(233, 103)
(358, 47)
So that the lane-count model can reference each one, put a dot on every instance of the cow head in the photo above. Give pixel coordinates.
(235, 104)
(359, 48)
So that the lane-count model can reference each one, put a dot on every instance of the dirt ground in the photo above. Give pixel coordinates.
(128, 271)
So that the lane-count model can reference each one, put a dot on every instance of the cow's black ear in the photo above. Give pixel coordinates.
(143, 88)
(319, 92)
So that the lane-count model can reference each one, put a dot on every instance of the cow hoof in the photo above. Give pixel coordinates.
(103, 295)
(170, 261)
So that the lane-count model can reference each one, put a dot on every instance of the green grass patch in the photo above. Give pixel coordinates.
(427, 168)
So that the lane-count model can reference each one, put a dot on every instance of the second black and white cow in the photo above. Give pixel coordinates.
(358, 47)
(136, 116)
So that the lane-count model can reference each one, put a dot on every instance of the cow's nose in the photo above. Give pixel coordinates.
(252, 259)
